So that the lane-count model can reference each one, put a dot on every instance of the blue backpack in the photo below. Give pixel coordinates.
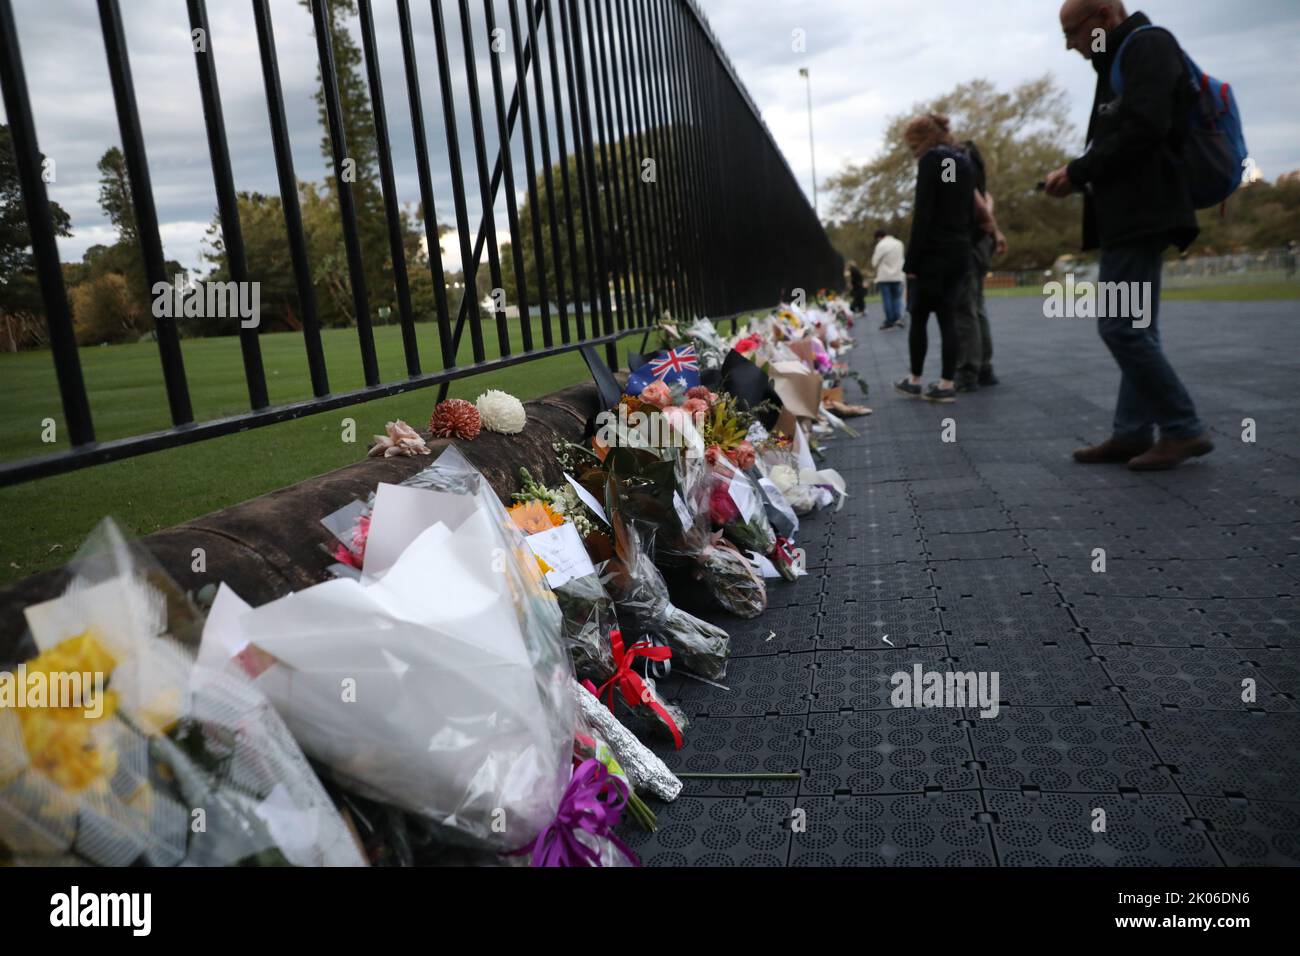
(1215, 153)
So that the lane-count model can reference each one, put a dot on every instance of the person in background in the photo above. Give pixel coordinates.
(937, 264)
(975, 341)
(857, 288)
(1137, 202)
(887, 264)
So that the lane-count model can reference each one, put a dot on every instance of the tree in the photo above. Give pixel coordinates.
(115, 195)
(1021, 136)
(22, 313)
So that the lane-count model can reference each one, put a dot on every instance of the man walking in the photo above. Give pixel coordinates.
(1137, 202)
(887, 263)
(975, 341)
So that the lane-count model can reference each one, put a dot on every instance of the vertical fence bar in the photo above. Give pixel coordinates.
(530, 168)
(428, 201)
(593, 184)
(392, 206)
(679, 43)
(289, 199)
(671, 97)
(648, 191)
(616, 247)
(486, 196)
(672, 145)
(467, 261)
(557, 101)
(713, 236)
(589, 216)
(628, 219)
(506, 161)
(227, 202)
(663, 163)
(347, 202)
(146, 214)
(40, 226)
(544, 137)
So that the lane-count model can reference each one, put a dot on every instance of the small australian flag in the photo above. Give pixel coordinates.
(675, 368)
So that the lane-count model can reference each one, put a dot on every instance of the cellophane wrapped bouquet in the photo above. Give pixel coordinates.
(139, 753)
(437, 682)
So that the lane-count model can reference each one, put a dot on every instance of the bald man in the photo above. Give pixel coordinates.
(1137, 202)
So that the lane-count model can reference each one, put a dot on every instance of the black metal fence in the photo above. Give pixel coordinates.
(718, 227)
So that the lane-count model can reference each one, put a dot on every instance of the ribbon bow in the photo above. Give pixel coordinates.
(593, 802)
(629, 682)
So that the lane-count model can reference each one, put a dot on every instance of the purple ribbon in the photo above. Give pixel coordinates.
(594, 802)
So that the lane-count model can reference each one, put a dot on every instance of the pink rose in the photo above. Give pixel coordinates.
(743, 456)
(658, 394)
(697, 408)
(703, 393)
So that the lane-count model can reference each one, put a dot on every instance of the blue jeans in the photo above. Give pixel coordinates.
(891, 298)
(1150, 392)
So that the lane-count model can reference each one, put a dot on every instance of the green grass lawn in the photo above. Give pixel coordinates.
(46, 520)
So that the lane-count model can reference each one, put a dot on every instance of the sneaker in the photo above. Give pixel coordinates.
(907, 388)
(945, 396)
(987, 378)
(886, 327)
(967, 385)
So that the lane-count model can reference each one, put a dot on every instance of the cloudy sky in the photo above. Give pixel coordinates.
(869, 61)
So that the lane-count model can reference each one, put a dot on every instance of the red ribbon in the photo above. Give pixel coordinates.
(629, 682)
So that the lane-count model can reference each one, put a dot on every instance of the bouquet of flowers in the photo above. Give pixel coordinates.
(641, 595)
(736, 506)
(438, 682)
(136, 752)
(666, 488)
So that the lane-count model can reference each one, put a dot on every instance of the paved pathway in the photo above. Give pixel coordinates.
(1119, 692)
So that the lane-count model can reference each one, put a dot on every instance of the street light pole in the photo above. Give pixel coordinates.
(812, 147)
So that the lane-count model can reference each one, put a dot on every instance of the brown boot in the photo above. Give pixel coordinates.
(1110, 452)
(1171, 452)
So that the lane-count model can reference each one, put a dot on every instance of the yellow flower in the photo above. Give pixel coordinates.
(63, 742)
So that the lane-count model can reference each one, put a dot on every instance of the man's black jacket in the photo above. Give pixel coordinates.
(1139, 190)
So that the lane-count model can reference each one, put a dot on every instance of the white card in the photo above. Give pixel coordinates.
(742, 493)
(401, 514)
(563, 551)
(587, 499)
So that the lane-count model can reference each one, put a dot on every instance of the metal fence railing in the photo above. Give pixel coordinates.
(600, 87)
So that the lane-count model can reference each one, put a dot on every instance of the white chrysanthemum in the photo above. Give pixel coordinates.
(501, 412)
(784, 477)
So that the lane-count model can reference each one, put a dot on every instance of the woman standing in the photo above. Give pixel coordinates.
(939, 253)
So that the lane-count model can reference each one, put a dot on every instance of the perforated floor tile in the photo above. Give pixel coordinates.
(1053, 829)
(965, 520)
(1080, 749)
(1204, 678)
(738, 745)
(715, 831)
(863, 679)
(1251, 832)
(1218, 753)
(776, 630)
(755, 687)
(1005, 617)
(864, 625)
(987, 544)
(878, 582)
(1038, 675)
(939, 829)
(887, 751)
(997, 576)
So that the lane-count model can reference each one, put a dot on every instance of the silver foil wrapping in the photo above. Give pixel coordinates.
(646, 771)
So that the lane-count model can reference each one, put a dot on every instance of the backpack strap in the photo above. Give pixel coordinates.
(1116, 76)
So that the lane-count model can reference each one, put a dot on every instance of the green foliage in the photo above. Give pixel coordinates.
(105, 309)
